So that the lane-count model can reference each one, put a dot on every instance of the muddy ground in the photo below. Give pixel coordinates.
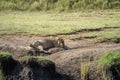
(67, 62)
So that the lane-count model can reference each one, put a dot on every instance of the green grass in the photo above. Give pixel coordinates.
(112, 35)
(109, 63)
(39, 58)
(109, 59)
(53, 23)
(5, 54)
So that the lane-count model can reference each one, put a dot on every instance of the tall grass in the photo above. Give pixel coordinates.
(60, 5)
(84, 68)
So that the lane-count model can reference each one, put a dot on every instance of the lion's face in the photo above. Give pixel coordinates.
(60, 42)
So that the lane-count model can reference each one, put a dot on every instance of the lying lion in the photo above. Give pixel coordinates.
(46, 44)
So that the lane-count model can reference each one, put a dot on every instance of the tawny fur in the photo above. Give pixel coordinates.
(48, 43)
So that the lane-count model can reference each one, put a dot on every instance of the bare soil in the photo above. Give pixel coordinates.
(67, 61)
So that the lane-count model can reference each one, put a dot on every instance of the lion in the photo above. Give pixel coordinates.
(45, 44)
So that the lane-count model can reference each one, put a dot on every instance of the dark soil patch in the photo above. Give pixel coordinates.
(86, 37)
(29, 69)
(7, 65)
(115, 69)
(116, 40)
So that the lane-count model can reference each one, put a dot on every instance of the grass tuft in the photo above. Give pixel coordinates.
(39, 58)
(5, 54)
(109, 59)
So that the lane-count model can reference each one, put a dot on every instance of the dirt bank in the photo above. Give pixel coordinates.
(29, 69)
(67, 62)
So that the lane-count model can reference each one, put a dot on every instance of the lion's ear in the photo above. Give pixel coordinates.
(51, 37)
(57, 38)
